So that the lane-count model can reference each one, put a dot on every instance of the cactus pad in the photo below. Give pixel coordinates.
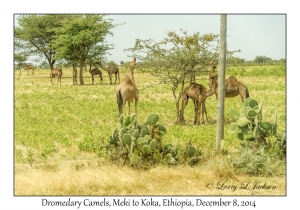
(234, 114)
(242, 121)
(152, 119)
(161, 127)
(250, 102)
(136, 133)
(240, 136)
(233, 127)
(265, 125)
(153, 144)
(146, 149)
(251, 113)
(127, 139)
(191, 151)
(127, 121)
(121, 118)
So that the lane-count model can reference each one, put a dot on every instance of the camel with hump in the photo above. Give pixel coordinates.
(27, 67)
(94, 72)
(56, 72)
(111, 69)
(198, 93)
(233, 87)
(127, 91)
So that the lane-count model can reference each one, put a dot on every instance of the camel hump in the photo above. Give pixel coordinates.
(127, 80)
(232, 78)
(196, 85)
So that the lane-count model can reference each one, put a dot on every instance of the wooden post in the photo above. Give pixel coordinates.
(221, 83)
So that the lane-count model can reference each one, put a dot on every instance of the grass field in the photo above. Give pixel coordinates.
(59, 132)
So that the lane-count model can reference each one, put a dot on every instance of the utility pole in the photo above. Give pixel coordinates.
(221, 83)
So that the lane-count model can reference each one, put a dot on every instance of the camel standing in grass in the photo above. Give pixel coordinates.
(56, 72)
(111, 69)
(198, 93)
(233, 87)
(27, 67)
(95, 71)
(127, 91)
(75, 75)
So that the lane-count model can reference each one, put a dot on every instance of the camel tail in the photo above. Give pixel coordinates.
(247, 93)
(119, 101)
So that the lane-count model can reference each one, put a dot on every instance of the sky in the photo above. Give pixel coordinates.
(254, 35)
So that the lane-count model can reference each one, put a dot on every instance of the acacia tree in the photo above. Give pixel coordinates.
(177, 59)
(35, 33)
(82, 38)
(262, 59)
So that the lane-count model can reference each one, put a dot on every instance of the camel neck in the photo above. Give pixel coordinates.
(103, 67)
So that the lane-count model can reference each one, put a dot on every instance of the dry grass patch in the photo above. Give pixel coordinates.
(111, 180)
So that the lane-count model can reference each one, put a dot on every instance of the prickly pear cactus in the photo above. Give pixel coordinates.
(192, 154)
(152, 119)
(249, 125)
(138, 143)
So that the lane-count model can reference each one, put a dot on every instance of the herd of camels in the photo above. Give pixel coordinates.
(127, 90)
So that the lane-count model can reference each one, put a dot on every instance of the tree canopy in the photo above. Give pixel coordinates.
(73, 38)
(177, 59)
(262, 59)
(82, 39)
(36, 33)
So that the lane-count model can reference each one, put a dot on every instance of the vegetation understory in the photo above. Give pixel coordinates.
(60, 133)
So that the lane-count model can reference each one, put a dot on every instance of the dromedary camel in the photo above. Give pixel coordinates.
(233, 87)
(198, 93)
(111, 69)
(56, 72)
(27, 67)
(95, 71)
(127, 91)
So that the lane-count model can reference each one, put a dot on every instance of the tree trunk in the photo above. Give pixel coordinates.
(177, 102)
(81, 73)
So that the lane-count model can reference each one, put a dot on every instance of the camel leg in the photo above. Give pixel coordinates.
(204, 112)
(100, 76)
(197, 107)
(136, 104)
(110, 78)
(184, 103)
(195, 111)
(116, 77)
(128, 108)
(51, 78)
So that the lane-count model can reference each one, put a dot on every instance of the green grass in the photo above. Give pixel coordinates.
(49, 119)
